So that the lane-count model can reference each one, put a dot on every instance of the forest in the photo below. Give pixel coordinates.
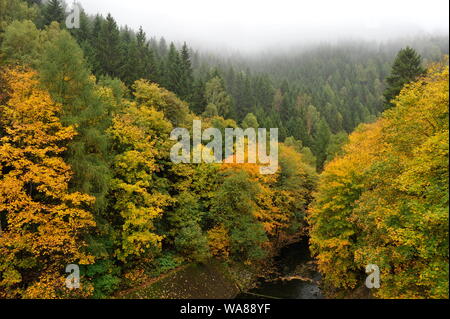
(86, 176)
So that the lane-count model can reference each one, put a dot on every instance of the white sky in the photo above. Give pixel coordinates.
(251, 25)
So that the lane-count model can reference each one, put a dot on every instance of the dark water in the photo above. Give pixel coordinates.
(294, 260)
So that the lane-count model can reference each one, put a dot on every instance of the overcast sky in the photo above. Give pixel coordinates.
(252, 25)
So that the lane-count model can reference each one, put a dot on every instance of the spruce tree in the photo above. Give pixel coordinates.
(147, 66)
(406, 68)
(173, 71)
(53, 11)
(108, 47)
(186, 74)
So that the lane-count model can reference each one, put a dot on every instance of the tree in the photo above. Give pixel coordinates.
(186, 75)
(130, 64)
(251, 121)
(147, 64)
(198, 100)
(64, 72)
(233, 207)
(173, 71)
(337, 141)
(21, 43)
(321, 137)
(151, 95)
(107, 48)
(43, 223)
(63, 69)
(53, 11)
(11, 10)
(185, 222)
(141, 139)
(406, 68)
(215, 94)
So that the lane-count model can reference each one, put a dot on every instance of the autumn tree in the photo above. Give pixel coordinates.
(251, 121)
(140, 136)
(150, 94)
(42, 223)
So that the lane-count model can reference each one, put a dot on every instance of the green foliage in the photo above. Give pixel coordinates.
(192, 242)
(337, 142)
(105, 276)
(233, 206)
(251, 121)
(246, 239)
(63, 71)
(21, 43)
(14, 10)
(53, 12)
(166, 262)
(382, 198)
(216, 96)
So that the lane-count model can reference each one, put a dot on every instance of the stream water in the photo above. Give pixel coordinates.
(294, 261)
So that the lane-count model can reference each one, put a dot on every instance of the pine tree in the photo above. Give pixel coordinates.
(321, 138)
(53, 11)
(173, 71)
(147, 66)
(406, 68)
(186, 78)
(108, 48)
(130, 64)
(198, 101)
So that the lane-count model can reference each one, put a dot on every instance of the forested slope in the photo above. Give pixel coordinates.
(86, 176)
(385, 200)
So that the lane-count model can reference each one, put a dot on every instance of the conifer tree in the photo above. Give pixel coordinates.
(53, 11)
(108, 48)
(186, 71)
(406, 68)
(173, 72)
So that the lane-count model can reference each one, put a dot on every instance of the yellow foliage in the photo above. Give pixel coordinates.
(385, 201)
(219, 242)
(44, 223)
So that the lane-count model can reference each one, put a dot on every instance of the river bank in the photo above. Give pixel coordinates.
(293, 276)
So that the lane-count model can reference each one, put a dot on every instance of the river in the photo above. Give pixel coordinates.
(294, 261)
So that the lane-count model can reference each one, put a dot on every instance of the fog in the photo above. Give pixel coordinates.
(256, 25)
